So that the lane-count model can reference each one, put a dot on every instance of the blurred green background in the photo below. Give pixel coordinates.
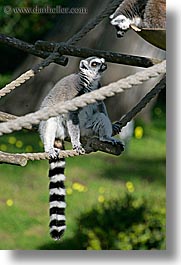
(112, 202)
(28, 27)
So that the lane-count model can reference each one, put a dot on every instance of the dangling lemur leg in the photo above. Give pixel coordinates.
(49, 129)
(74, 131)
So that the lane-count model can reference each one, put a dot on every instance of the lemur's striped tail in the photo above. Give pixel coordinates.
(57, 198)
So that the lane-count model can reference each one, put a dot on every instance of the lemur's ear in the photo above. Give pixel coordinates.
(111, 16)
(102, 60)
(83, 64)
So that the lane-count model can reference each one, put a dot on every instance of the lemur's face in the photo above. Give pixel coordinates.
(93, 65)
(121, 24)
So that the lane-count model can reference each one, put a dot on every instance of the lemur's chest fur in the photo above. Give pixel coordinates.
(86, 112)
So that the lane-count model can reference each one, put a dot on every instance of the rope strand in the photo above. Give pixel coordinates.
(22, 158)
(18, 82)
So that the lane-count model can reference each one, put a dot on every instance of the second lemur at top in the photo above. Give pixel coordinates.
(141, 13)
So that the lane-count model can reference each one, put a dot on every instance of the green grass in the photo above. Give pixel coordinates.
(93, 180)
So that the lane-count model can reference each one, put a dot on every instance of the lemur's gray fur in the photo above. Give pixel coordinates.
(90, 120)
(142, 13)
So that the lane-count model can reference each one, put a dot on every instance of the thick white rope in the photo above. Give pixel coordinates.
(79, 102)
(19, 81)
(21, 159)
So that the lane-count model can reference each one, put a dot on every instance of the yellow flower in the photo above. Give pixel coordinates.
(9, 202)
(3, 147)
(19, 144)
(130, 186)
(69, 191)
(101, 198)
(75, 186)
(138, 132)
(29, 149)
(79, 187)
(12, 140)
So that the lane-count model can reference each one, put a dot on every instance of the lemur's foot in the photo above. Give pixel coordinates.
(120, 33)
(54, 153)
(121, 23)
(79, 149)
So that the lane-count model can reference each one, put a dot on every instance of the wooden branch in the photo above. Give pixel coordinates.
(91, 145)
(29, 48)
(112, 57)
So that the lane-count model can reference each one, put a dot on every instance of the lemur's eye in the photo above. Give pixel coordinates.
(94, 64)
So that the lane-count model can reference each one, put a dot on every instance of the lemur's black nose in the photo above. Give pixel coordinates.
(103, 67)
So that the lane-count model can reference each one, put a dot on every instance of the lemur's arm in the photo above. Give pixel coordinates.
(100, 104)
(102, 109)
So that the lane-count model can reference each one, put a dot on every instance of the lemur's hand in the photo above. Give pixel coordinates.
(79, 149)
(53, 153)
(121, 23)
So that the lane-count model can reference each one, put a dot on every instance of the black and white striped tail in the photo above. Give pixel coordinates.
(57, 198)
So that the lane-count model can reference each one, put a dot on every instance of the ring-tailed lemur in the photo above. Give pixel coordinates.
(142, 13)
(91, 120)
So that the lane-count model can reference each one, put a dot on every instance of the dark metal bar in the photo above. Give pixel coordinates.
(29, 48)
(112, 57)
